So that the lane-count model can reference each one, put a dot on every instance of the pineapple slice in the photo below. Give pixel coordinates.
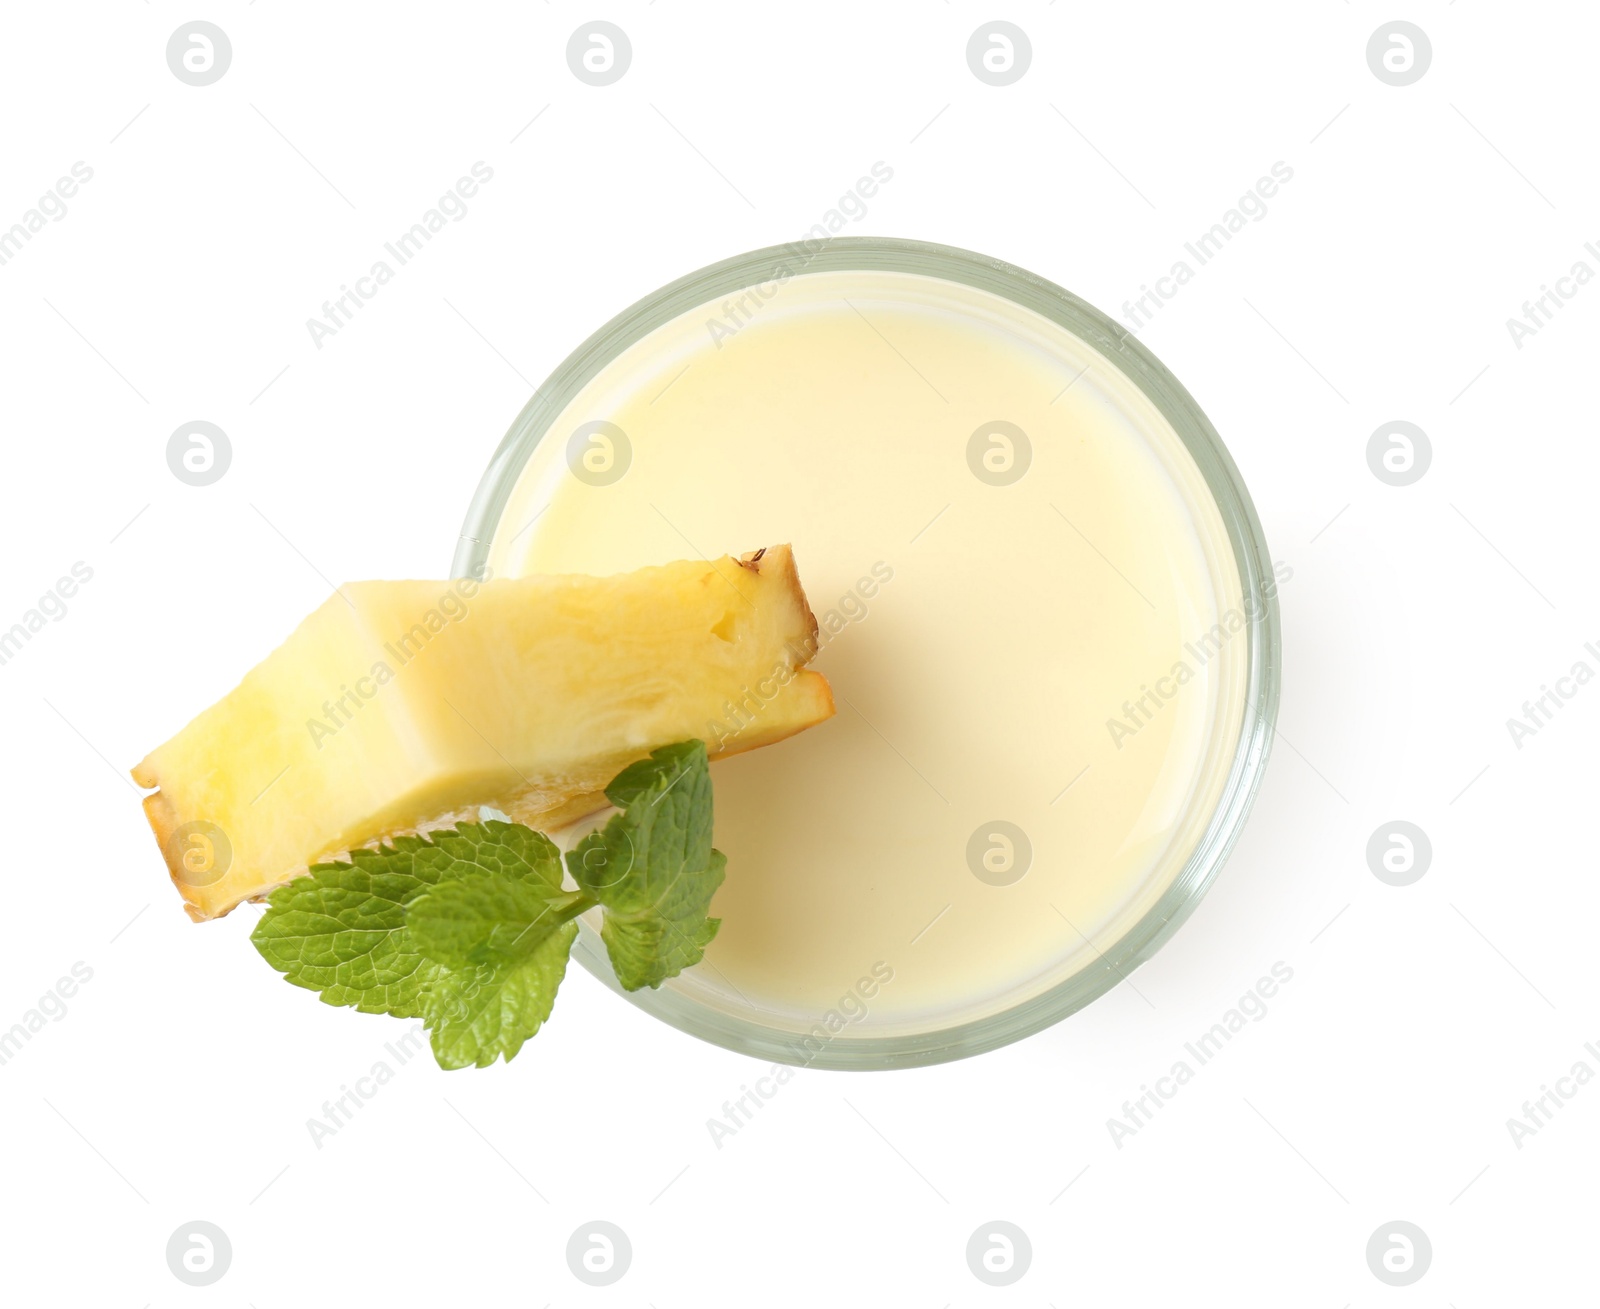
(404, 706)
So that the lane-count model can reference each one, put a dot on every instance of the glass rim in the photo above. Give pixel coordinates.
(1263, 644)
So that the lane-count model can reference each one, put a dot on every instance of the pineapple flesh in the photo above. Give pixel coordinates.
(405, 706)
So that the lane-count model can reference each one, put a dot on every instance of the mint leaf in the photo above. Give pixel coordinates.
(470, 929)
(652, 867)
(501, 941)
(342, 928)
(495, 919)
(477, 1013)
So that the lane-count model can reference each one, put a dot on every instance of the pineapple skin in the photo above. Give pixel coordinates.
(405, 706)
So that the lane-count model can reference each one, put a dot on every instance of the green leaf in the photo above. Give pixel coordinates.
(495, 919)
(481, 1011)
(652, 867)
(470, 929)
(342, 930)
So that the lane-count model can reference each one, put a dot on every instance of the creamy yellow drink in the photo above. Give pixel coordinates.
(1030, 616)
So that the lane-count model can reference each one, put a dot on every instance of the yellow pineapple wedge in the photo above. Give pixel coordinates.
(404, 706)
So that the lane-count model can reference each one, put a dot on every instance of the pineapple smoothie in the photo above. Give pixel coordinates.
(1029, 612)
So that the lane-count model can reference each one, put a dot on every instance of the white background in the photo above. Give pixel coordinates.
(1419, 1019)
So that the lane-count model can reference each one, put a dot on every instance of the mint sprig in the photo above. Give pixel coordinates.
(470, 929)
(653, 868)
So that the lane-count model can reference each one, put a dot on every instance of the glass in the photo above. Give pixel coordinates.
(778, 1041)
